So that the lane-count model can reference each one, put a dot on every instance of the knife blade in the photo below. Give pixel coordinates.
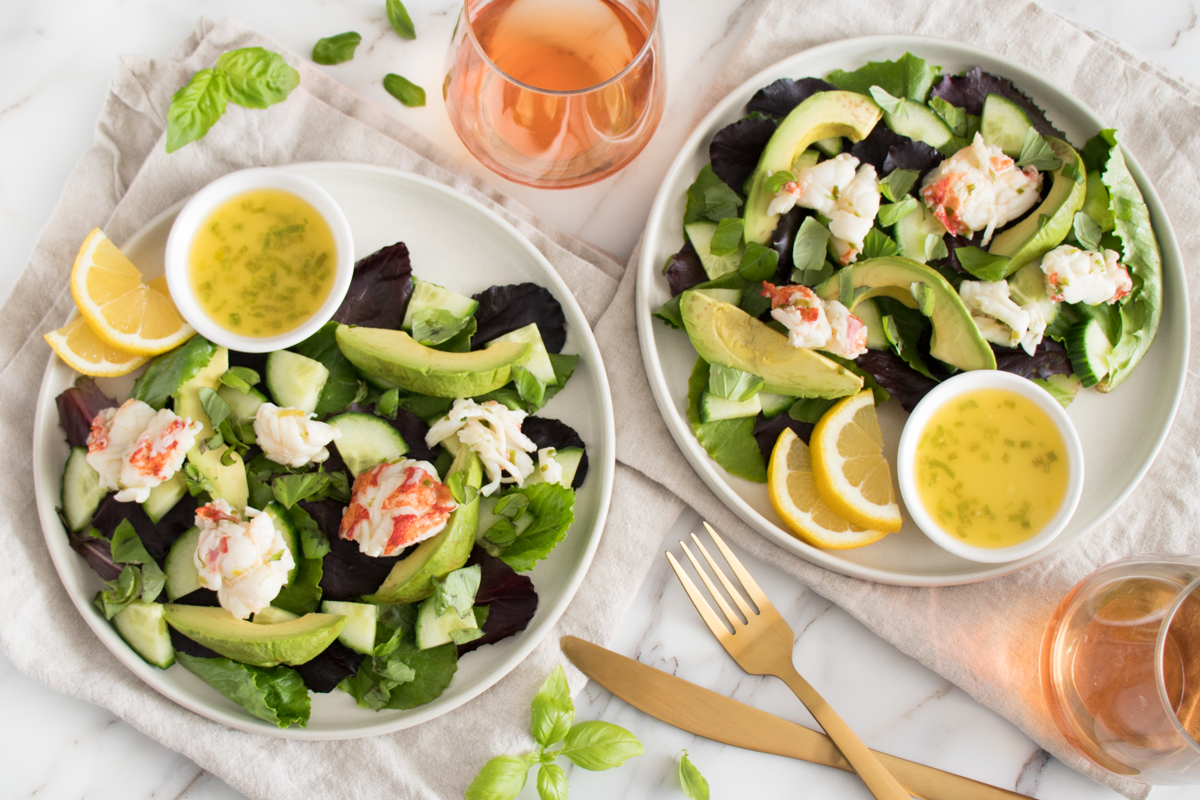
(715, 716)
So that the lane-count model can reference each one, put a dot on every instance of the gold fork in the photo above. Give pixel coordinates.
(763, 644)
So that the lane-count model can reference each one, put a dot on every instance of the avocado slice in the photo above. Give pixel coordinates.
(293, 642)
(1031, 238)
(724, 334)
(956, 339)
(396, 357)
(821, 116)
(228, 480)
(412, 578)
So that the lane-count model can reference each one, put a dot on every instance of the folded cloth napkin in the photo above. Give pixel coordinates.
(122, 183)
(983, 637)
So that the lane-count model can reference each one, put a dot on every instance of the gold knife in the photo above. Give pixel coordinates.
(715, 716)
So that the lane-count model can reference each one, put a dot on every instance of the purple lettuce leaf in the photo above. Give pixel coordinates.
(780, 97)
(887, 150)
(968, 91)
(189, 646)
(346, 572)
(684, 270)
(782, 240)
(509, 596)
(555, 433)
(894, 374)
(736, 148)
(95, 552)
(254, 361)
(330, 667)
(157, 538)
(410, 427)
(78, 406)
(379, 290)
(503, 309)
(1049, 358)
(201, 597)
(766, 431)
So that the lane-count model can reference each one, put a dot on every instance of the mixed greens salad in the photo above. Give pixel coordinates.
(887, 227)
(356, 512)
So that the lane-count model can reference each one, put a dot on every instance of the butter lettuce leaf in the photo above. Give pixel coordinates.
(907, 76)
(276, 694)
(730, 442)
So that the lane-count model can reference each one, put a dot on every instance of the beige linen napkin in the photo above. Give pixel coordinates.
(120, 184)
(984, 637)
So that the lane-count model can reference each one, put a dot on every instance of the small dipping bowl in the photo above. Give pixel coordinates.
(906, 463)
(209, 199)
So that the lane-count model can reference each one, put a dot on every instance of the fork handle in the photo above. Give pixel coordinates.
(881, 782)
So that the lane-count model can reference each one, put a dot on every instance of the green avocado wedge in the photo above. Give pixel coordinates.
(396, 357)
(293, 642)
(1046, 226)
(724, 334)
(412, 578)
(821, 116)
(956, 338)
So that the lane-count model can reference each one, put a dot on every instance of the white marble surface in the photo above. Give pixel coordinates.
(56, 56)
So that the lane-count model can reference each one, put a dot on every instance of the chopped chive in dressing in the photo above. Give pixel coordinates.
(1003, 488)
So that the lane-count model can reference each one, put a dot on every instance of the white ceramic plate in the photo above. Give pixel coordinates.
(1116, 455)
(456, 242)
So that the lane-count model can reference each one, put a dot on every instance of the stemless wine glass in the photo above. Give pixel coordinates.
(555, 93)
(1120, 668)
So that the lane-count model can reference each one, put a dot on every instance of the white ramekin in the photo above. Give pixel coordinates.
(197, 210)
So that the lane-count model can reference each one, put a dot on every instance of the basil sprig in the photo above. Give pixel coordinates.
(336, 49)
(592, 745)
(693, 783)
(404, 90)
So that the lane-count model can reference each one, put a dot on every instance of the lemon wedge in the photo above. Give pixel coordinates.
(85, 352)
(850, 471)
(797, 501)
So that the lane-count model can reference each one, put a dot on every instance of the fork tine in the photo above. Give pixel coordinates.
(706, 613)
(734, 593)
(751, 587)
(712, 590)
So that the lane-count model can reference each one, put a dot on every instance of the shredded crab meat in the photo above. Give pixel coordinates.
(1085, 276)
(551, 471)
(135, 448)
(395, 505)
(815, 323)
(493, 431)
(289, 436)
(244, 561)
(840, 190)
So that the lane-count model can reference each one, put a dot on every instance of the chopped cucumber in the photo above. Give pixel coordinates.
(182, 576)
(913, 230)
(918, 122)
(428, 295)
(868, 312)
(731, 296)
(732, 383)
(273, 616)
(243, 406)
(1004, 124)
(1089, 350)
(287, 531)
(433, 630)
(539, 360)
(700, 234)
(774, 404)
(1028, 286)
(164, 497)
(366, 441)
(81, 492)
(830, 147)
(295, 381)
(569, 459)
(806, 159)
(359, 633)
(144, 628)
(713, 407)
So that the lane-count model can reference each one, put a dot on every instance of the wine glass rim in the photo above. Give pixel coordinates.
(647, 46)
(1159, 666)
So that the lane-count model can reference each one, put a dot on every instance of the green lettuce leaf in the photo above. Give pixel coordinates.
(542, 525)
(399, 674)
(276, 694)
(730, 442)
(169, 371)
(907, 76)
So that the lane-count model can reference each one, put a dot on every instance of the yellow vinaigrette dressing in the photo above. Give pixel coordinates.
(262, 263)
(991, 468)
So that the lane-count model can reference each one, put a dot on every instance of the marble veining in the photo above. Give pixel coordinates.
(56, 57)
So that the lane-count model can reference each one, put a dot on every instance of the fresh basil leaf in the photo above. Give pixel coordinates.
(981, 264)
(758, 262)
(727, 237)
(903, 327)
(214, 406)
(733, 384)
(597, 745)
(892, 105)
(404, 90)
(808, 252)
(511, 506)
(432, 326)
(336, 49)
(908, 76)
(810, 409)
(954, 117)
(260, 491)
(120, 592)
(878, 244)
(127, 547)
(168, 372)
(897, 183)
(892, 213)
(923, 296)
(551, 511)
(551, 782)
(388, 404)
(502, 778)
(256, 77)
(530, 388)
(401, 22)
(463, 492)
(777, 180)
(342, 386)
(461, 341)
(846, 287)
(197, 483)
(276, 694)
(935, 247)
(241, 378)
(710, 198)
(457, 591)
(195, 108)
(499, 536)
(302, 594)
(339, 486)
(153, 581)
(1037, 153)
(553, 710)
(1087, 232)
(693, 783)
(313, 541)
(291, 489)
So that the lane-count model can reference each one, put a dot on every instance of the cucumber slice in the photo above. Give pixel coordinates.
(700, 234)
(868, 312)
(569, 459)
(433, 630)
(164, 497)
(713, 407)
(1028, 286)
(182, 576)
(830, 147)
(430, 295)
(366, 441)
(917, 121)
(539, 360)
(1004, 124)
(774, 404)
(1089, 350)
(806, 159)
(144, 628)
(287, 530)
(295, 381)
(243, 406)
(731, 296)
(913, 229)
(81, 492)
(273, 616)
(359, 633)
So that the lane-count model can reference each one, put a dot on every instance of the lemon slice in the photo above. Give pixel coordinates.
(796, 500)
(122, 310)
(83, 351)
(851, 473)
